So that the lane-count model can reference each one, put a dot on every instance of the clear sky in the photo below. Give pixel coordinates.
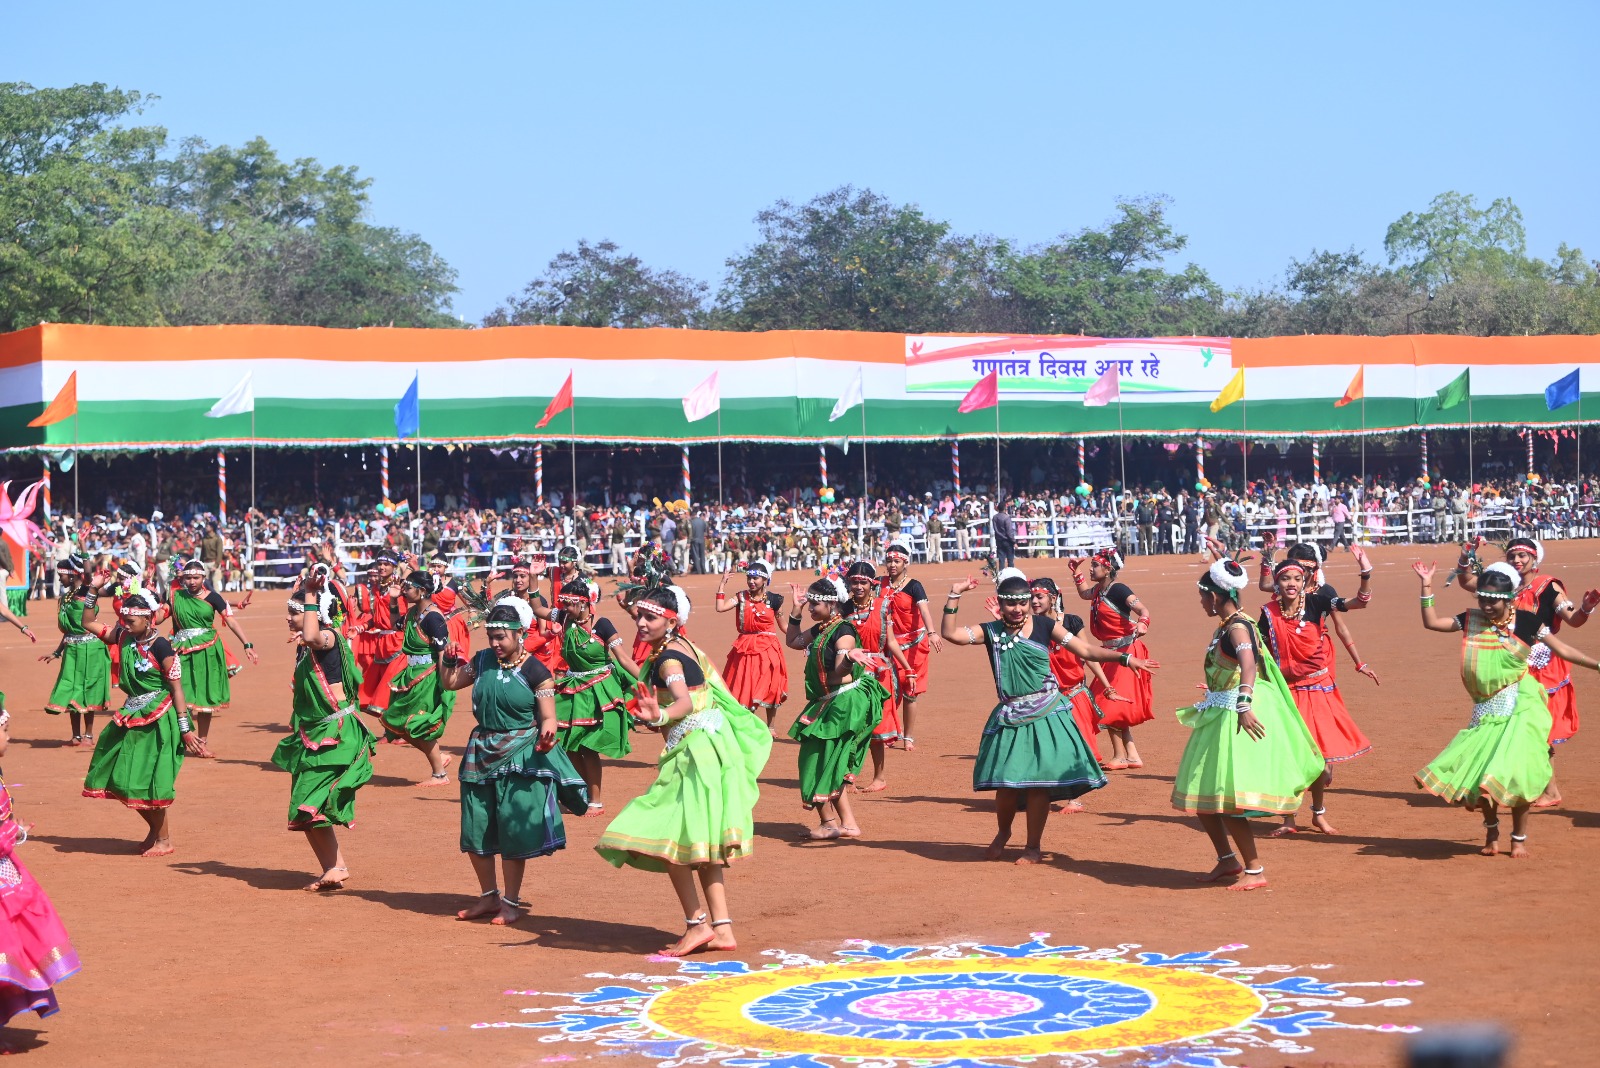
(504, 132)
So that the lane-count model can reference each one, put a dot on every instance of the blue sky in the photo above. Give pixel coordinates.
(504, 132)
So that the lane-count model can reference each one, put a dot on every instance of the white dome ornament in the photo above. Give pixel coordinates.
(682, 598)
(1227, 580)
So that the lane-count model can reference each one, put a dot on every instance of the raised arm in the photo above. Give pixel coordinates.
(1363, 595)
(1569, 652)
(724, 602)
(947, 621)
(1269, 544)
(1099, 654)
(1430, 617)
(1464, 573)
(795, 637)
(1084, 587)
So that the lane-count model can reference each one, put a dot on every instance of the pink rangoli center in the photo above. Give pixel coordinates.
(950, 1005)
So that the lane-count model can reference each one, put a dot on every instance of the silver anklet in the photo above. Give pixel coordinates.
(1255, 871)
(1320, 811)
(722, 923)
(1225, 856)
(691, 922)
(1491, 826)
(491, 893)
(1519, 838)
(515, 903)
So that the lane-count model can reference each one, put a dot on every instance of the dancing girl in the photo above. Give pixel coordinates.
(1248, 750)
(1032, 751)
(515, 780)
(1296, 627)
(83, 682)
(35, 954)
(590, 696)
(329, 750)
(380, 615)
(139, 754)
(1501, 759)
(207, 684)
(1546, 597)
(844, 702)
(868, 612)
(913, 629)
(695, 819)
(1118, 620)
(417, 707)
(756, 672)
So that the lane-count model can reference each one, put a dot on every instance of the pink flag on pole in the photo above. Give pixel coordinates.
(1105, 390)
(703, 400)
(986, 394)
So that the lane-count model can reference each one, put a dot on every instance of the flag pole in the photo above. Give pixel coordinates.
(572, 424)
(719, 452)
(997, 442)
(1363, 427)
(416, 505)
(863, 447)
(1471, 469)
(77, 460)
(252, 453)
(1244, 426)
(1122, 445)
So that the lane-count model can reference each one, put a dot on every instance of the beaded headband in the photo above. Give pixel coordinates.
(897, 550)
(1288, 565)
(194, 565)
(651, 608)
(1485, 595)
(1018, 597)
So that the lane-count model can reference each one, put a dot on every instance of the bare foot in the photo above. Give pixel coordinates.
(997, 848)
(1285, 831)
(1115, 765)
(508, 914)
(158, 849)
(1225, 869)
(849, 832)
(486, 905)
(908, 743)
(1319, 822)
(1491, 842)
(438, 778)
(1249, 882)
(1031, 856)
(821, 834)
(1519, 850)
(875, 786)
(205, 750)
(77, 740)
(722, 940)
(332, 879)
(595, 809)
(1069, 807)
(694, 940)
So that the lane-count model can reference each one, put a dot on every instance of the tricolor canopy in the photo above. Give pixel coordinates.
(142, 387)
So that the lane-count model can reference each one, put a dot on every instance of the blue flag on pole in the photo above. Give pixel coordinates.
(408, 413)
(1561, 392)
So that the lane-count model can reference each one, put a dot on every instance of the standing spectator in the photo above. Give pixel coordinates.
(935, 538)
(698, 528)
(211, 554)
(1145, 516)
(669, 533)
(619, 545)
(1339, 513)
(1005, 536)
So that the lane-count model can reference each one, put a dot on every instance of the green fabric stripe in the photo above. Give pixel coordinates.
(776, 418)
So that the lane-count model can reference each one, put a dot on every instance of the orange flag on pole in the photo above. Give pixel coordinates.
(65, 406)
(1356, 390)
(985, 394)
(560, 403)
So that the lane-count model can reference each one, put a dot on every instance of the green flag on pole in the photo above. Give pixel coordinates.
(1457, 391)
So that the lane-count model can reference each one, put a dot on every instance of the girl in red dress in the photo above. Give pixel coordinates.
(1545, 597)
(1071, 670)
(1118, 620)
(913, 629)
(756, 673)
(1295, 627)
(869, 612)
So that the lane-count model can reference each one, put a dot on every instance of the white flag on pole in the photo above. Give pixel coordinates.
(240, 399)
(852, 397)
(703, 400)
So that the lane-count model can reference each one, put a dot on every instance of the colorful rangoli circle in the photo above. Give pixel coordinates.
(942, 1009)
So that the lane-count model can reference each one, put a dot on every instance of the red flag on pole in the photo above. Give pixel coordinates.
(65, 406)
(560, 403)
(1355, 390)
(986, 394)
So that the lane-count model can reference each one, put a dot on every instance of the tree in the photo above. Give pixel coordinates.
(852, 260)
(1455, 238)
(82, 237)
(597, 285)
(1112, 282)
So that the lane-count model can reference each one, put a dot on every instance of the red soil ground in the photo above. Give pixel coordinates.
(215, 953)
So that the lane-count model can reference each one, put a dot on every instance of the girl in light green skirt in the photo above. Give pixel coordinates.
(1249, 749)
(83, 683)
(329, 750)
(696, 818)
(1502, 757)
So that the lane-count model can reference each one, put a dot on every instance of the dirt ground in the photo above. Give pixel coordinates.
(216, 953)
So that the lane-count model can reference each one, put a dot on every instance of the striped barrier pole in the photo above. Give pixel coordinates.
(955, 463)
(1316, 463)
(45, 491)
(222, 485)
(1083, 462)
(1424, 454)
(383, 471)
(1530, 453)
(686, 487)
(822, 463)
(538, 471)
(1200, 460)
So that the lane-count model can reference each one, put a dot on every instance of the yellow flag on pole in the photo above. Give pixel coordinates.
(1233, 391)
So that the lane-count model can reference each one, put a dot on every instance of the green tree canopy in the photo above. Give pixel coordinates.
(597, 285)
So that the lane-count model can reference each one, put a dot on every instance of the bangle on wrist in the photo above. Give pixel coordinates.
(951, 611)
(1123, 659)
(794, 621)
(249, 645)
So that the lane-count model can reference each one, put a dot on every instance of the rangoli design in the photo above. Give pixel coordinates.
(959, 1004)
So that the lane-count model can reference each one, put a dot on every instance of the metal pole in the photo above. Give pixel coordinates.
(997, 447)
(863, 447)
(1471, 467)
(77, 461)
(572, 422)
(1122, 444)
(719, 455)
(1363, 430)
